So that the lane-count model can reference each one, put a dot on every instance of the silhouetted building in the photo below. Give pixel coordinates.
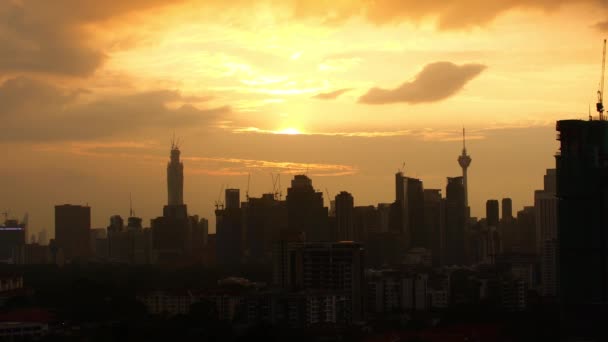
(455, 223)
(519, 236)
(305, 211)
(229, 232)
(233, 198)
(130, 244)
(545, 206)
(407, 213)
(72, 229)
(434, 223)
(171, 233)
(12, 235)
(175, 177)
(283, 263)
(345, 217)
(43, 237)
(264, 219)
(492, 211)
(507, 208)
(32, 254)
(200, 236)
(334, 267)
(366, 221)
(582, 191)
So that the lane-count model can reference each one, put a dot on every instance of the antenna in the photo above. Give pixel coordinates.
(464, 140)
(600, 92)
(130, 206)
(590, 117)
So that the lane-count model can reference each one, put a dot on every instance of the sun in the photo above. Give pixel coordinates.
(289, 131)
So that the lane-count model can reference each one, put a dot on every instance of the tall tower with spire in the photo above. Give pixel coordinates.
(175, 177)
(465, 160)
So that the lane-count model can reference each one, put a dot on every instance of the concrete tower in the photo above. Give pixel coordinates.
(464, 160)
(175, 177)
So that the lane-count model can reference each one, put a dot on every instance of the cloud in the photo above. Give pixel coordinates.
(601, 26)
(54, 36)
(36, 111)
(58, 36)
(332, 95)
(427, 134)
(436, 82)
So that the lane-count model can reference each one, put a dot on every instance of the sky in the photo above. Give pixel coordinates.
(346, 91)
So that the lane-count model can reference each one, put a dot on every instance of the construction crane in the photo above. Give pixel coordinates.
(219, 204)
(600, 92)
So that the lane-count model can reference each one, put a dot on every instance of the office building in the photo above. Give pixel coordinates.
(305, 211)
(407, 213)
(434, 223)
(233, 198)
(345, 224)
(492, 213)
(264, 218)
(72, 231)
(507, 209)
(455, 223)
(229, 231)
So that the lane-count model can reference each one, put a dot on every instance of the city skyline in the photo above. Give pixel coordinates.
(174, 188)
(267, 87)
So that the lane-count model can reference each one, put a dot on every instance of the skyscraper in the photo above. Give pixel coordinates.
(345, 216)
(305, 211)
(507, 209)
(492, 213)
(175, 177)
(72, 229)
(233, 198)
(407, 213)
(172, 232)
(582, 192)
(434, 223)
(229, 233)
(455, 223)
(464, 160)
(545, 205)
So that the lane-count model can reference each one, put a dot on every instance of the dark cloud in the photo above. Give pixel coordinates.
(450, 14)
(36, 111)
(601, 26)
(332, 94)
(437, 81)
(51, 36)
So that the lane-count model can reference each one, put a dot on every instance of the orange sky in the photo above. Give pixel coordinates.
(91, 93)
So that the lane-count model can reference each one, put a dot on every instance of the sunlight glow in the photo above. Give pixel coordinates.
(289, 131)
